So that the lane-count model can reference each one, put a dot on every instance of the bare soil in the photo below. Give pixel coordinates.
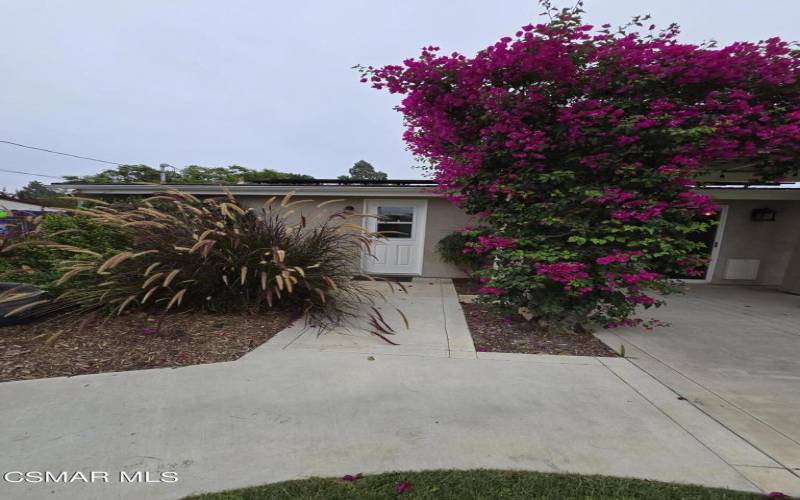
(132, 342)
(466, 286)
(494, 333)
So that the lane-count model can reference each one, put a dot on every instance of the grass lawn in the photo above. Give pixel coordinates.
(475, 484)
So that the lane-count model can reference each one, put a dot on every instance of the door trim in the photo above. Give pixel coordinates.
(716, 245)
(723, 219)
(419, 227)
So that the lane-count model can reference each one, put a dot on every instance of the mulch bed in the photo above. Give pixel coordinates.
(466, 286)
(132, 342)
(494, 333)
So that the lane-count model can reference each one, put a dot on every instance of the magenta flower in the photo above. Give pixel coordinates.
(491, 290)
(403, 487)
(575, 145)
(562, 272)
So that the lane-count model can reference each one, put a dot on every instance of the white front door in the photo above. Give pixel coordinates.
(402, 222)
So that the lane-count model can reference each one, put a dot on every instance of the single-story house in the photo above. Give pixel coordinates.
(756, 242)
(14, 213)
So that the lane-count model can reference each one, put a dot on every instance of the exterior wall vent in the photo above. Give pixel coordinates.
(742, 269)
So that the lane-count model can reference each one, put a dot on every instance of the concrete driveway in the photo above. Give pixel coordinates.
(733, 352)
(305, 405)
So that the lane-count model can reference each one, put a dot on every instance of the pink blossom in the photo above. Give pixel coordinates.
(570, 140)
(562, 272)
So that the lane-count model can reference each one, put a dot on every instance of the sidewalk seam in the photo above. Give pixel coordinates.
(678, 423)
(444, 318)
(731, 404)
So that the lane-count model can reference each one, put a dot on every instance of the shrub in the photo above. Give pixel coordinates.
(580, 146)
(458, 248)
(212, 255)
(40, 265)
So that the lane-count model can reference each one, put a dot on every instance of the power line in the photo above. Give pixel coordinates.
(31, 173)
(59, 153)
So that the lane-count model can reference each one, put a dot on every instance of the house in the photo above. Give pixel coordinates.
(757, 240)
(14, 213)
(418, 216)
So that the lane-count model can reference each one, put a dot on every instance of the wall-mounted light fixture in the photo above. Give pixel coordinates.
(763, 215)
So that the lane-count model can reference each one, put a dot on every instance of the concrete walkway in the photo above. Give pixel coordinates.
(437, 326)
(302, 406)
(734, 353)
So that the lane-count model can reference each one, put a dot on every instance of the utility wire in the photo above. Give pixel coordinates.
(59, 153)
(30, 173)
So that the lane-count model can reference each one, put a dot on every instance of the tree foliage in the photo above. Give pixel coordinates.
(363, 170)
(38, 192)
(41, 266)
(35, 191)
(579, 145)
(192, 174)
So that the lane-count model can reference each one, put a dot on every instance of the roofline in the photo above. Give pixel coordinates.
(283, 182)
(420, 190)
(765, 195)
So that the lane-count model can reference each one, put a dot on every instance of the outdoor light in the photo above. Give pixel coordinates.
(763, 215)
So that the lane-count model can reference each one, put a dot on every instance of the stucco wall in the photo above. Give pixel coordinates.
(772, 243)
(442, 218)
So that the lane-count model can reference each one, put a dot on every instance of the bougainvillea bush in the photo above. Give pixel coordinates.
(579, 145)
(464, 249)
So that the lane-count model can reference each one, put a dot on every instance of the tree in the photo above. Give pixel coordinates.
(123, 174)
(39, 193)
(580, 147)
(36, 191)
(363, 170)
(192, 174)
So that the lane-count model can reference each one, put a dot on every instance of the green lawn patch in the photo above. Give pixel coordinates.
(475, 484)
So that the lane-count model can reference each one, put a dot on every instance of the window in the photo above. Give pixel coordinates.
(396, 214)
(396, 222)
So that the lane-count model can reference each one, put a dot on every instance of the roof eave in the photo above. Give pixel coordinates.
(251, 190)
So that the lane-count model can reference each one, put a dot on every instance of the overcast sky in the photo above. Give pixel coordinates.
(258, 83)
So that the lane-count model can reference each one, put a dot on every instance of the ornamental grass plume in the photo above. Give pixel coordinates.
(185, 253)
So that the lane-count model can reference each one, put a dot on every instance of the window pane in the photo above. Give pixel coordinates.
(395, 230)
(396, 214)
